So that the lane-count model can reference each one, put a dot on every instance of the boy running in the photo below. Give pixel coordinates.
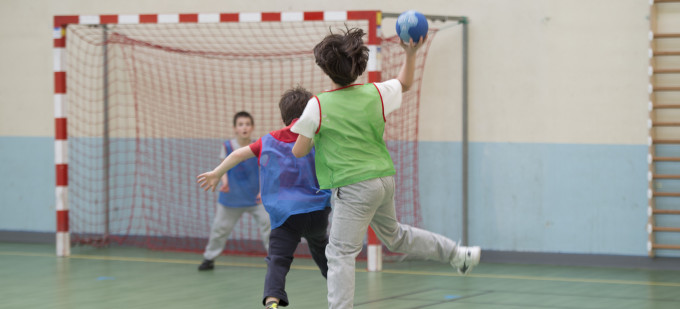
(291, 195)
(346, 127)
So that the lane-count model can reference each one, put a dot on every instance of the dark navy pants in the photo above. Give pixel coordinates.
(283, 241)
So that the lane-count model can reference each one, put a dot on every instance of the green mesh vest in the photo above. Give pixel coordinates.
(349, 145)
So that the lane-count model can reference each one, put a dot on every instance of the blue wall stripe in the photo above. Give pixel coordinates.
(568, 198)
(27, 192)
(571, 198)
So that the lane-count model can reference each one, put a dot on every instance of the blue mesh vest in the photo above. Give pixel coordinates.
(289, 184)
(244, 184)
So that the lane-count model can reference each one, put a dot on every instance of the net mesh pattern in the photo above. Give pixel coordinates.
(150, 105)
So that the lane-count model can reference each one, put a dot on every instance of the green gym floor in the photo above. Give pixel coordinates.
(32, 277)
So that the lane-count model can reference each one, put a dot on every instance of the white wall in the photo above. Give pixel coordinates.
(557, 89)
(540, 70)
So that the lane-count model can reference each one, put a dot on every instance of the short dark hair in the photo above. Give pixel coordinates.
(343, 57)
(244, 114)
(293, 102)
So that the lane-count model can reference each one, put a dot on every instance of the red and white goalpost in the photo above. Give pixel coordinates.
(143, 103)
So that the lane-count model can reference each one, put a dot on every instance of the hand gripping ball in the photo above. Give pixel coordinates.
(411, 24)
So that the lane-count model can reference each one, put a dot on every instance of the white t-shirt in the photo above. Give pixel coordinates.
(390, 91)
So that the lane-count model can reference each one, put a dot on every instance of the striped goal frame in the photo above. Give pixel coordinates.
(61, 22)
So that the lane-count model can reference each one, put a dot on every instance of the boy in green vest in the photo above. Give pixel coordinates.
(346, 128)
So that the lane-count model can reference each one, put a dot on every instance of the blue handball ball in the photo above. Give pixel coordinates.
(411, 24)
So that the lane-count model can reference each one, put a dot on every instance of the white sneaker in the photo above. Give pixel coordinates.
(466, 258)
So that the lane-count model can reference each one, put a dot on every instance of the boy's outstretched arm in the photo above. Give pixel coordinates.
(409, 67)
(209, 180)
(303, 145)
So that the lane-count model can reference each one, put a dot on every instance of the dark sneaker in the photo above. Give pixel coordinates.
(207, 265)
(466, 258)
(271, 305)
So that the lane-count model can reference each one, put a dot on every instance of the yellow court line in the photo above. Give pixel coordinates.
(173, 261)
(386, 271)
(147, 260)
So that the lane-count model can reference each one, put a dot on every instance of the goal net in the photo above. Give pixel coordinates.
(150, 105)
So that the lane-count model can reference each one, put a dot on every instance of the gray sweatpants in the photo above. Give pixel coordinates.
(224, 222)
(356, 206)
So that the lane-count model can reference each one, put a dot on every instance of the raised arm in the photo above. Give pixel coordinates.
(409, 66)
(209, 180)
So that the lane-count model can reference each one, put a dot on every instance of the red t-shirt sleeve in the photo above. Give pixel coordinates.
(256, 147)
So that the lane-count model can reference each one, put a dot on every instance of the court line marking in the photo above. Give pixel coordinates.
(385, 271)
(429, 303)
(536, 278)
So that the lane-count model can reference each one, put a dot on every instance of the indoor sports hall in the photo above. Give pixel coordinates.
(545, 132)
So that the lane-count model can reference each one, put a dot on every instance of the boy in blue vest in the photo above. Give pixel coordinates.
(346, 126)
(239, 194)
(291, 195)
